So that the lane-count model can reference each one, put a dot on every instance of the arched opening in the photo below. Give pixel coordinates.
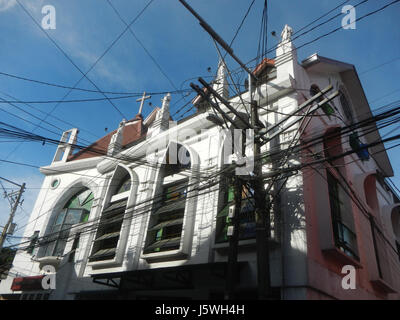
(125, 184)
(166, 222)
(326, 107)
(395, 218)
(109, 231)
(370, 193)
(344, 101)
(76, 210)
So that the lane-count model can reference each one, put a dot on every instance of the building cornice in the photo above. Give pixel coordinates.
(72, 166)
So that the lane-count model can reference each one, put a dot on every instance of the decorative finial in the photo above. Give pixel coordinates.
(287, 33)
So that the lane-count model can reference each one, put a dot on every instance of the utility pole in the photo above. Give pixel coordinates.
(262, 201)
(13, 210)
(234, 215)
(261, 212)
(233, 234)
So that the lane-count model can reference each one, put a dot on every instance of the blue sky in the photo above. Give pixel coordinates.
(181, 48)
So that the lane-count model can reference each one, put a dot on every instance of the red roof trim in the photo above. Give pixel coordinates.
(133, 131)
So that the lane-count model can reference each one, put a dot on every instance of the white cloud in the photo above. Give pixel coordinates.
(6, 4)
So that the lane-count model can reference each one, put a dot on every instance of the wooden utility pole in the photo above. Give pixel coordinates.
(13, 210)
(233, 234)
(261, 212)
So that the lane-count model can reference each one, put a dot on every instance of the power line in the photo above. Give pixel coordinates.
(378, 66)
(331, 32)
(50, 115)
(305, 165)
(241, 25)
(56, 85)
(325, 159)
(71, 61)
(322, 160)
(81, 100)
(142, 45)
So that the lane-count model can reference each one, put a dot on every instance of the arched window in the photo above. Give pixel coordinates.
(108, 234)
(395, 217)
(166, 222)
(125, 184)
(370, 192)
(327, 107)
(76, 210)
(346, 106)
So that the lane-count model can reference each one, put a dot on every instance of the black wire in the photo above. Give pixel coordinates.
(386, 114)
(304, 165)
(81, 100)
(52, 116)
(72, 62)
(144, 48)
(151, 199)
(329, 33)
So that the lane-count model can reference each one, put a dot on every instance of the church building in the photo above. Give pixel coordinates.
(145, 211)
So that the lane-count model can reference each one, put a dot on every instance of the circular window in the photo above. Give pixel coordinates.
(55, 183)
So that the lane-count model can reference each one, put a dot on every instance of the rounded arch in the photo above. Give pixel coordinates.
(346, 104)
(370, 193)
(72, 206)
(170, 234)
(110, 243)
(395, 220)
(120, 175)
(72, 189)
(359, 180)
(391, 220)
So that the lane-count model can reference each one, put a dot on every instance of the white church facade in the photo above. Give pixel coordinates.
(142, 213)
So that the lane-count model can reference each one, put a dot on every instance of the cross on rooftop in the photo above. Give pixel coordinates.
(142, 100)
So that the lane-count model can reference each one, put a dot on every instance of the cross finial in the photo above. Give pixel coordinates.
(142, 100)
